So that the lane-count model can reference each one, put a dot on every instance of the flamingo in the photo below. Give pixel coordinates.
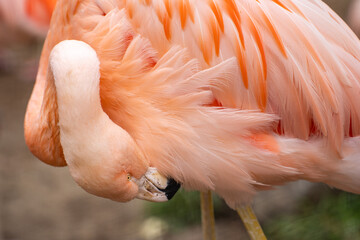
(30, 15)
(233, 96)
(354, 16)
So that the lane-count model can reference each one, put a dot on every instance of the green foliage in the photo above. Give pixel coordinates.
(335, 216)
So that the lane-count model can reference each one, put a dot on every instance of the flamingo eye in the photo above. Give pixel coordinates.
(128, 177)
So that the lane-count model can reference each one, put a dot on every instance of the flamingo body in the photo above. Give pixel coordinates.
(229, 95)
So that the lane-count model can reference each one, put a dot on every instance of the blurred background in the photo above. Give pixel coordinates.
(42, 202)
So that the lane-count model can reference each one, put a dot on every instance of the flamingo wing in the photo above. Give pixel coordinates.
(297, 59)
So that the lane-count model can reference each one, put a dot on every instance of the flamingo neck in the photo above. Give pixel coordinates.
(94, 146)
(75, 69)
(41, 119)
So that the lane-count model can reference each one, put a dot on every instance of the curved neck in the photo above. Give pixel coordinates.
(77, 77)
(41, 120)
(88, 136)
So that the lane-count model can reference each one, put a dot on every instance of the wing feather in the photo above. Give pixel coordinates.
(290, 62)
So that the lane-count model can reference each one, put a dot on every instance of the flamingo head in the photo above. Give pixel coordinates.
(102, 157)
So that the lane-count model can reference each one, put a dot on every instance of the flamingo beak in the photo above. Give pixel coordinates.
(155, 187)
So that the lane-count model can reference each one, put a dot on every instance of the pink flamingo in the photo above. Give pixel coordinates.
(232, 96)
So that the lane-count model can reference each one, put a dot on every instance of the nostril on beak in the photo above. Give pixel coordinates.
(171, 188)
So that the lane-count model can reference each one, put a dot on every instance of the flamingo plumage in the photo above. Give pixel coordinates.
(233, 96)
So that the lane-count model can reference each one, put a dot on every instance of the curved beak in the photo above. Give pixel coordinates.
(155, 187)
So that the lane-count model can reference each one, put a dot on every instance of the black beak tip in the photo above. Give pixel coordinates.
(172, 188)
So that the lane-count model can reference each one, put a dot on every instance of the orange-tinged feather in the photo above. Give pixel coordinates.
(165, 19)
(310, 48)
(130, 10)
(190, 10)
(215, 9)
(231, 6)
(206, 51)
(278, 2)
(216, 35)
(259, 42)
(231, 9)
(167, 27)
(274, 32)
(265, 141)
(168, 7)
(262, 98)
(183, 13)
(295, 8)
(242, 63)
(160, 14)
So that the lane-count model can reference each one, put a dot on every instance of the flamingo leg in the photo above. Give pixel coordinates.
(207, 216)
(251, 223)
